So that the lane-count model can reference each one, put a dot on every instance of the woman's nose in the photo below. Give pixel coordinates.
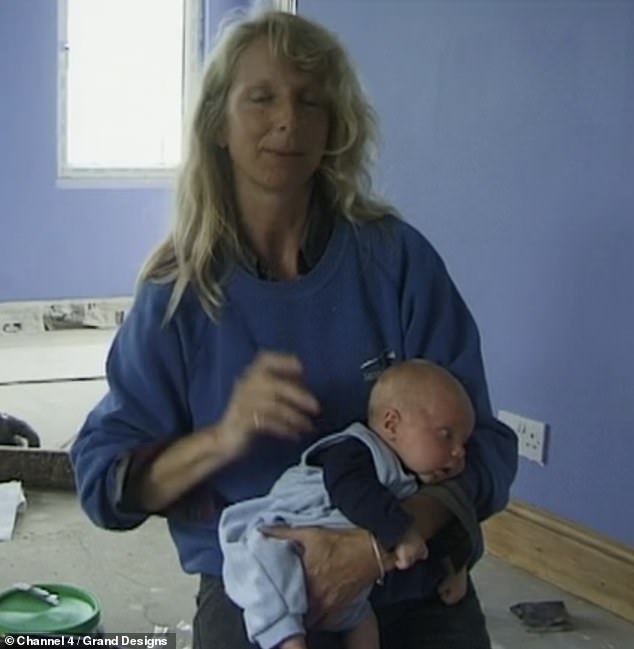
(286, 116)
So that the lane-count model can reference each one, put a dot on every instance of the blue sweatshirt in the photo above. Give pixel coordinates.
(379, 293)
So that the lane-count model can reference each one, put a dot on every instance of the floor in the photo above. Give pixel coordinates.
(137, 578)
(136, 574)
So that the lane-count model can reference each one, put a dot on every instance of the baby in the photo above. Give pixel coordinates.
(419, 420)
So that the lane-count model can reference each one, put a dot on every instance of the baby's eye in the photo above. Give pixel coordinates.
(447, 434)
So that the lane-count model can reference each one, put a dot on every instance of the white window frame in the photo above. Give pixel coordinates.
(287, 5)
(69, 176)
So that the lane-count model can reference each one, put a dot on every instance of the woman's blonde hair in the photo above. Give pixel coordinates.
(206, 225)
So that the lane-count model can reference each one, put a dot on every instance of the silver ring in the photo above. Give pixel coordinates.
(256, 419)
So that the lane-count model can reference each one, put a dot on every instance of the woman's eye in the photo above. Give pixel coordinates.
(310, 102)
(260, 99)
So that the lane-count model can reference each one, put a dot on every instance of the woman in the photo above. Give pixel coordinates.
(260, 324)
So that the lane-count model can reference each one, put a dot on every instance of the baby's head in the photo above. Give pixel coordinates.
(425, 415)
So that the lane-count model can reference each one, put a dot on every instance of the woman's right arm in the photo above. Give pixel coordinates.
(178, 468)
(269, 398)
(145, 408)
(148, 369)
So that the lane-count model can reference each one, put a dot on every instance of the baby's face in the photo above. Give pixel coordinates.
(431, 439)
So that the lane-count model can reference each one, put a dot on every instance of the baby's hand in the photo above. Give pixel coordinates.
(411, 549)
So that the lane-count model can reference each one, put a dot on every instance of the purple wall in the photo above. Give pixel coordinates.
(60, 242)
(509, 141)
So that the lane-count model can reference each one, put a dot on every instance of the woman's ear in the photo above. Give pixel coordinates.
(391, 420)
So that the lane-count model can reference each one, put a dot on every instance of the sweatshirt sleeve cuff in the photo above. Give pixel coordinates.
(452, 495)
(123, 518)
(390, 536)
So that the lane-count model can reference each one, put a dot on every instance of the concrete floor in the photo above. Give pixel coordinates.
(138, 580)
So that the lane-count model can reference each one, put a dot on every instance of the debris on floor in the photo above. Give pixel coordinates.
(541, 617)
(15, 432)
(12, 501)
(182, 632)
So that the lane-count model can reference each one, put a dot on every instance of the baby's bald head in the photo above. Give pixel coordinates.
(414, 382)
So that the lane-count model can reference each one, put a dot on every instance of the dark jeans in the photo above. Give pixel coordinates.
(414, 624)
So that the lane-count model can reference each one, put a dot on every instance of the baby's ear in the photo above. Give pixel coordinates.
(391, 420)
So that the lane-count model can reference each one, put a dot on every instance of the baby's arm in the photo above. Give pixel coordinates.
(354, 488)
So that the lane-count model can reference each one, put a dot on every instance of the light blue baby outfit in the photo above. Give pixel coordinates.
(264, 576)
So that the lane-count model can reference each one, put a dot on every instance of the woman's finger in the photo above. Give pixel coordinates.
(280, 377)
(282, 419)
(276, 363)
(285, 390)
(276, 393)
(279, 361)
(285, 534)
(295, 395)
(282, 532)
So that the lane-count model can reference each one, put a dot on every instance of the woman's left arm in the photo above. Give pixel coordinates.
(451, 339)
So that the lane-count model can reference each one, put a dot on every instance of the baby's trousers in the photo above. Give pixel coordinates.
(413, 624)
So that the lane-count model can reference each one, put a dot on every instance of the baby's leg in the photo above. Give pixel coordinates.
(365, 635)
(294, 642)
(453, 587)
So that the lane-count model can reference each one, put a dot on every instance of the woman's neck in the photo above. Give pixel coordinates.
(274, 224)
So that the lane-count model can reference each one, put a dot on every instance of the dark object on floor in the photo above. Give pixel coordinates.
(15, 432)
(540, 617)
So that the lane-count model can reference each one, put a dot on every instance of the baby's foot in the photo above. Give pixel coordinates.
(453, 587)
(294, 642)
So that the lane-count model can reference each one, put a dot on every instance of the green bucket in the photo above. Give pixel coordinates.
(56, 609)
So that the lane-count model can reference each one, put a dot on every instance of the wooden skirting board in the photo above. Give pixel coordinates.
(565, 554)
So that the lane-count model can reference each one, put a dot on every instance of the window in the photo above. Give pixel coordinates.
(127, 69)
(287, 5)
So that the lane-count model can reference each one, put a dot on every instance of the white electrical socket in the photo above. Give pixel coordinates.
(531, 435)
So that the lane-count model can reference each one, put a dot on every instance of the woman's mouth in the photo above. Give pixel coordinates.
(284, 153)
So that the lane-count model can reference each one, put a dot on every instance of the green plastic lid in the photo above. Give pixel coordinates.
(67, 609)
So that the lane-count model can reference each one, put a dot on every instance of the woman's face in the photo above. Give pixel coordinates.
(276, 123)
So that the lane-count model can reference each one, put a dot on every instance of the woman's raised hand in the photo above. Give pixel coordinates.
(270, 398)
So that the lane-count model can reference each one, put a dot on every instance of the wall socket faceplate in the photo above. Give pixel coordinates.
(531, 435)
